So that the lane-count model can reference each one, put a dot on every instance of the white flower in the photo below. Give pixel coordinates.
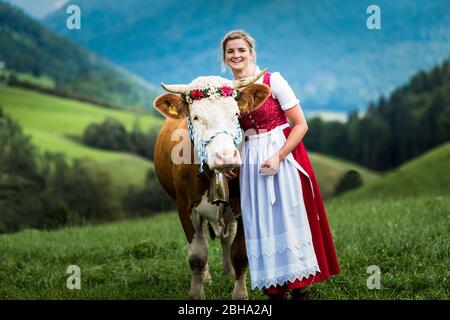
(188, 99)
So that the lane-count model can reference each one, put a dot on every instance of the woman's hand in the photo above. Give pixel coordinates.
(271, 166)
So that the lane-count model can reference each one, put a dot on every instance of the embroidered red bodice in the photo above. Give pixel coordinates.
(267, 117)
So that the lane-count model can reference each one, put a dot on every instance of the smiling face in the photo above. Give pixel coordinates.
(238, 54)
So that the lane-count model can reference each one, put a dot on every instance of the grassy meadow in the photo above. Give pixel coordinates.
(399, 226)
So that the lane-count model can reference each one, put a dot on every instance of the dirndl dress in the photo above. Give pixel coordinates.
(288, 241)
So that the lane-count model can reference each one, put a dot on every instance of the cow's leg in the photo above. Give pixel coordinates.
(240, 263)
(198, 257)
(226, 240)
(206, 274)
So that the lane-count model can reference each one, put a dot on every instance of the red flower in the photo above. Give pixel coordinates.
(197, 94)
(226, 91)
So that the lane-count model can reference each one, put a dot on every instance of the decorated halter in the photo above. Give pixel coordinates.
(200, 144)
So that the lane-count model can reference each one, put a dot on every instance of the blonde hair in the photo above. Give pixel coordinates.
(238, 34)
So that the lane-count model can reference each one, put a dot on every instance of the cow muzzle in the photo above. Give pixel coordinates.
(225, 160)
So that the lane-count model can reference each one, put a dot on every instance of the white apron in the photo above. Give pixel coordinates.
(277, 234)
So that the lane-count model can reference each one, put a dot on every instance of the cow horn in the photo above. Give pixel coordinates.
(247, 81)
(175, 88)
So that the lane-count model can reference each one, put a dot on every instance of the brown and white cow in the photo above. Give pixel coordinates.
(214, 121)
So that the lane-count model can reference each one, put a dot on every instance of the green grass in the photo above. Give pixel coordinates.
(147, 259)
(406, 238)
(55, 124)
(403, 233)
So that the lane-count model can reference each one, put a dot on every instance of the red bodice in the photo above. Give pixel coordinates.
(267, 117)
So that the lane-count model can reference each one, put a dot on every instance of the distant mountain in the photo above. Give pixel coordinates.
(323, 47)
(38, 8)
(26, 46)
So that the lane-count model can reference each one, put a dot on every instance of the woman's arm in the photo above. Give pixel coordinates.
(300, 127)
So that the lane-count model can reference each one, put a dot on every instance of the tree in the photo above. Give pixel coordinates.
(110, 135)
(348, 181)
(313, 138)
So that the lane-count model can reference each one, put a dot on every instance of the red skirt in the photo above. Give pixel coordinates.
(318, 223)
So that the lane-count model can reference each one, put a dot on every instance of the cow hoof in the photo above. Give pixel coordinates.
(200, 296)
(240, 295)
(243, 297)
(207, 278)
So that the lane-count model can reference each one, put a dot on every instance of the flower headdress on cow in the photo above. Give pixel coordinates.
(190, 95)
(231, 89)
(224, 91)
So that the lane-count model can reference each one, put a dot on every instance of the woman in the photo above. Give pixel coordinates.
(288, 240)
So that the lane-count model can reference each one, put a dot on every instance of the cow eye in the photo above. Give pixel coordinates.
(195, 118)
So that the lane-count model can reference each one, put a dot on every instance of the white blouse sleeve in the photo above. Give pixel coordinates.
(282, 91)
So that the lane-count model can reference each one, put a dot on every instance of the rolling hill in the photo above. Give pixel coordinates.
(324, 48)
(57, 124)
(329, 170)
(426, 175)
(28, 47)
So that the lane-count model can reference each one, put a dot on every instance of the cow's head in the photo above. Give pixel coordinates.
(212, 105)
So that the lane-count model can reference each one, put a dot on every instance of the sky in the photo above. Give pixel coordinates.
(38, 8)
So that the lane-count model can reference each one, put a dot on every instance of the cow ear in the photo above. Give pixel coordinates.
(171, 106)
(253, 96)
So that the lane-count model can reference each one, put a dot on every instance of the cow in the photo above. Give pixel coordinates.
(204, 114)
